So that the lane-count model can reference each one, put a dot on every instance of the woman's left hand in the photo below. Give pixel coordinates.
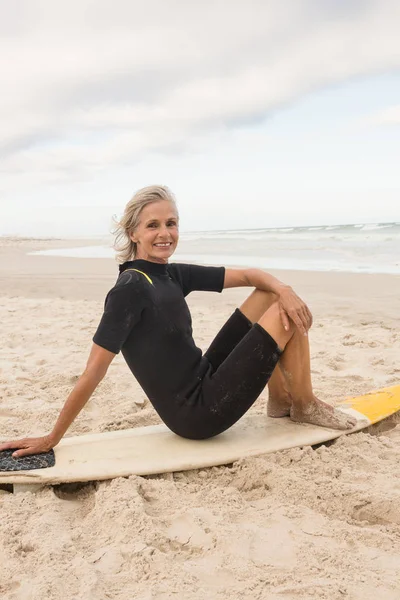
(292, 307)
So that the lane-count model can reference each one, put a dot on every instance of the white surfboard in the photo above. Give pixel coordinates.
(154, 449)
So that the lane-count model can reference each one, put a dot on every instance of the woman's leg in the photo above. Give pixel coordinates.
(279, 398)
(295, 363)
(290, 387)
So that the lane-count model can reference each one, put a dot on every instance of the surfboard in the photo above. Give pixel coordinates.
(155, 449)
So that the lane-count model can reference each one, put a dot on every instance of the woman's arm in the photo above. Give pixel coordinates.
(254, 278)
(291, 306)
(96, 368)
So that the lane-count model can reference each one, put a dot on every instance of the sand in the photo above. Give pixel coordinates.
(300, 524)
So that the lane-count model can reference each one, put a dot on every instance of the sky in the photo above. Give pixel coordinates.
(255, 113)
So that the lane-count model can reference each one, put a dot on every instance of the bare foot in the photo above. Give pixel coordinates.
(322, 414)
(279, 407)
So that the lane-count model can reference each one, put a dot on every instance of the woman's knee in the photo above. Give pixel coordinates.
(271, 321)
(257, 304)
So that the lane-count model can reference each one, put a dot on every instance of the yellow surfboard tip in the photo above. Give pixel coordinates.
(376, 405)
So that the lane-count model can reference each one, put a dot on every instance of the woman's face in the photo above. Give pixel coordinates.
(157, 234)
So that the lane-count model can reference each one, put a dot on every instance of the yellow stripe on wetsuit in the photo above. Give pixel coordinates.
(145, 274)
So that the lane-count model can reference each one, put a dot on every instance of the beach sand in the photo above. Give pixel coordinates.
(299, 524)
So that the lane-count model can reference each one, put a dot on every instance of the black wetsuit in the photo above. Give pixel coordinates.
(147, 318)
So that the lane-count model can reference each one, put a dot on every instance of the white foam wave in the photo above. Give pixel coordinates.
(356, 248)
(376, 226)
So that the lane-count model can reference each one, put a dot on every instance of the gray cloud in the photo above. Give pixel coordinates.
(89, 84)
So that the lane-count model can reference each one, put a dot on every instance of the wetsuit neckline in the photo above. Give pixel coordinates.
(145, 265)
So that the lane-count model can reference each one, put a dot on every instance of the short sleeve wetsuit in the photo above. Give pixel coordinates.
(147, 318)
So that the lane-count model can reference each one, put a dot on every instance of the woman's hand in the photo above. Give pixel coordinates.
(292, 307)
(28, 446)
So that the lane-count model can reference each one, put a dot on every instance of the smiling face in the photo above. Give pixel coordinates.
(157, 234)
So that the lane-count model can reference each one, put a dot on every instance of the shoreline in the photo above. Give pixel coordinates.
(229, 253)
(23, 274)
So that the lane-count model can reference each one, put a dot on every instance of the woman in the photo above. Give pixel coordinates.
(147, 318)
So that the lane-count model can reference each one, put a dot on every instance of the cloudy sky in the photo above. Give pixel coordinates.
(256, 113)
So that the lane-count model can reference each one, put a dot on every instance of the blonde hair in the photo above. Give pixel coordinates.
(123, 245)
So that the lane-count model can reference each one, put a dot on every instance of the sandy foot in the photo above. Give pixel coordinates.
(316, 413)
(279, 407)
(322, 414)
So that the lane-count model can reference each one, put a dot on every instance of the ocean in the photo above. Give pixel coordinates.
(356, 248)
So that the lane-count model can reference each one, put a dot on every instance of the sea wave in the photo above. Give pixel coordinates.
(358, 248)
